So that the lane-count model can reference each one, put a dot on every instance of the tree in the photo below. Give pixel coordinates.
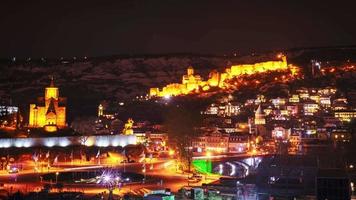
(180, 123)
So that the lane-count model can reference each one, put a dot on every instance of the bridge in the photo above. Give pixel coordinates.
(236, 166)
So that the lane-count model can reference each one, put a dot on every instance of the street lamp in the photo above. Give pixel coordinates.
(110, 179)
(171, 152)
(144, 173)
(57, 173)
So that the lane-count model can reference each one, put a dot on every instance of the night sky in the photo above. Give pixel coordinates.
(82, 28)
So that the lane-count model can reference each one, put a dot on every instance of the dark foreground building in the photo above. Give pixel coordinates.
(333, 184)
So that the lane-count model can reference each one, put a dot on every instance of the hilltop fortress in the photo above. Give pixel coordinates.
(193, 83)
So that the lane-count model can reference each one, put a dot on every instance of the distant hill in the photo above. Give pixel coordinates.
(86, 81)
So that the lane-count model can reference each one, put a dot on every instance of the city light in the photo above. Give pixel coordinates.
(192, 83)
(99, 141)
(243, 125)
(171, 152)
(221, 169)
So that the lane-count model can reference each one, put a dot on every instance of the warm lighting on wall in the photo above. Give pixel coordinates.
(51, 115)
(192, 83)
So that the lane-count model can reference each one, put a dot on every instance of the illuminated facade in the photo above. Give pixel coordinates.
(281, 133)
(345, 115)
(310, 108)
(128, 127)
(259, 116)
(97, 141)
(100, 110)
(294, 99)
(49, 112)
(212, 142)
(8, 110)
(192, 83)
(325, 102)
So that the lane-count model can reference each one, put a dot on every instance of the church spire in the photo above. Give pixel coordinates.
(259, 116)
(52, 81)
(259, 111)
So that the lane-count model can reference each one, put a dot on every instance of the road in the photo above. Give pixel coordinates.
(159, 175)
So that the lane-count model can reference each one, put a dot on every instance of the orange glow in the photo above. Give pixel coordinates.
(171, 152)
(51, 92)
(254, 151)
(192, 83)
(51, 115)
(49, 128)
(128, 127)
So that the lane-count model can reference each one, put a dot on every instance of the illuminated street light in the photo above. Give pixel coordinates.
(171, 152)
(107, 178)
(57, 173)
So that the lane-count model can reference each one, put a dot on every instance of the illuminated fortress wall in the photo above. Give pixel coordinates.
(98, 141)
(192, 83)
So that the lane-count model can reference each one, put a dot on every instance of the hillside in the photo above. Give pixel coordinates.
(86, 81)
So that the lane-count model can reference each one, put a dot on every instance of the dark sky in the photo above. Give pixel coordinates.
(82, 28)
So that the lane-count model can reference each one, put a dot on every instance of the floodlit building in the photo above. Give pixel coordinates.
(340, 104)
(8, 110)
(310, 108)
(278, 102)
(100, 110)
(237, 70)
(345, 115)
(259, 116)
(294, 98)
(340, 135)
(190, 80)
(211, 142)
(327, 91)
(325, 102)
(238, 143)
(303, 93)
(50, 111)
(281, 133)
(193, 83)
(128, 127)
(227, 109)
(103, 111)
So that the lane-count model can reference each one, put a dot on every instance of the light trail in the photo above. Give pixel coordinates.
(233, 168)
(81, 168)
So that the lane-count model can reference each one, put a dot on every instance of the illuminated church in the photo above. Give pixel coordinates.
(50, 111)
(259, 116)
